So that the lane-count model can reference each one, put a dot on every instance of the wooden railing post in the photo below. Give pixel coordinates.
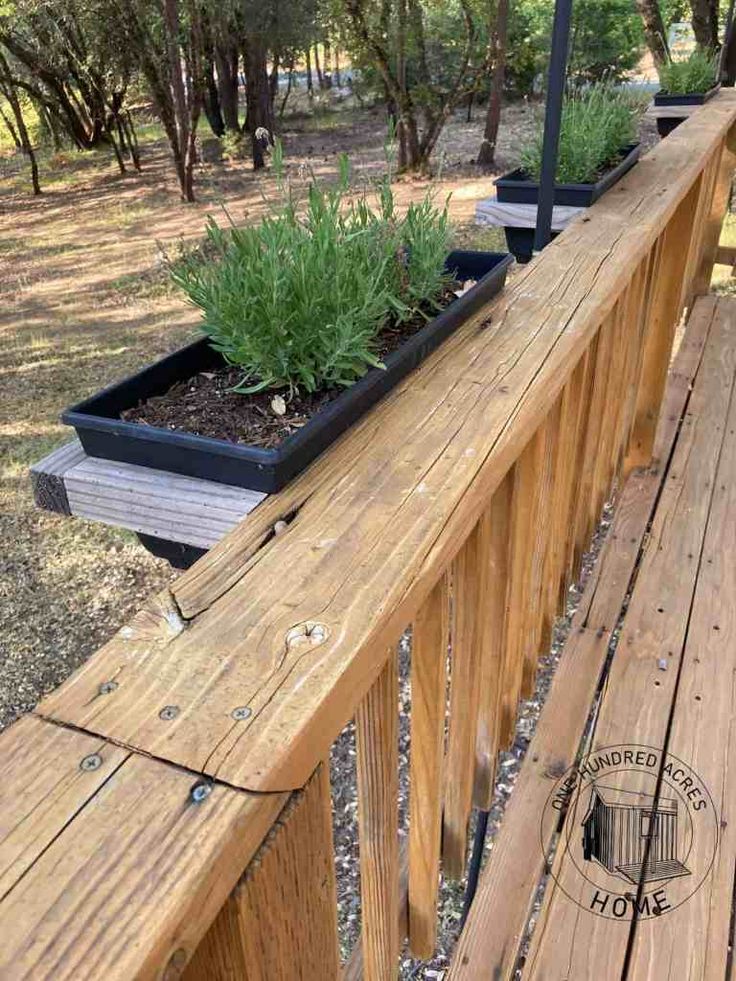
(376, 727)
(280, 921)
(430, 636)
(717, 212)
(662, 317)
(469, 583)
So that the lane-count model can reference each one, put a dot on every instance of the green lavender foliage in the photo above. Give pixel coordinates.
(597, 122)
(298, 301)
(696, 73)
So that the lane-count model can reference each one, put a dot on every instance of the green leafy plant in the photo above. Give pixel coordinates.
(597, 123)
(683, 76)
(298, 302)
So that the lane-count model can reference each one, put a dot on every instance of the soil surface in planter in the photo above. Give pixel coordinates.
(205, 405)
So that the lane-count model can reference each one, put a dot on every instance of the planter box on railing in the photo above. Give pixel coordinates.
(104, 434)
(665, 124)
(516, 188)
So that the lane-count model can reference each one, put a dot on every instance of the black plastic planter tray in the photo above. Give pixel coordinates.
(516, 188)
(666, 124)
(104, 434)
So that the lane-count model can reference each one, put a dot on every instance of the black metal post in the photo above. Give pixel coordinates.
(553, 112)
(474, 867)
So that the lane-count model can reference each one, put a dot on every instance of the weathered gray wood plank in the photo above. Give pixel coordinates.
(152, 502)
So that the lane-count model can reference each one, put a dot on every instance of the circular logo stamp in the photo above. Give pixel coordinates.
(637, 832)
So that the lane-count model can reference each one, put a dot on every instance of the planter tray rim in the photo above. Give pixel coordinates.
(130, 442)
(663, 98)
(517, 177)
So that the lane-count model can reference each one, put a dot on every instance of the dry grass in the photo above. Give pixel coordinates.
(84, 301)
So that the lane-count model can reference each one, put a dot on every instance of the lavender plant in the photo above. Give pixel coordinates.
(298, 301)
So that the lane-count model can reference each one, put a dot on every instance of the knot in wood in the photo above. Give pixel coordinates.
(309, 633)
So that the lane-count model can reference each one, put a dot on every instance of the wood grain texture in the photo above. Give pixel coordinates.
(280, 921)
(117, 873)
(536, 611)
(43, 786)
(494, 631)
(714, 222)
(430, 639)
(401, 491)
(525, 503)
(636, 701)
(154, 502)
(377, 745)
(663, 315)
(47, 477)
(469, 587)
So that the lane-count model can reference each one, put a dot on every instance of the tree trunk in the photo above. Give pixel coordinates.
(338, 80)
(728, 53)
(258, 98)
(226, 61)
(289, 83)
(132, 137)
(705, 23)
(14, 103)
(310, 84)
(320, 76)
(654, 31)
(11, 129)
(498, 42)
(212, 108)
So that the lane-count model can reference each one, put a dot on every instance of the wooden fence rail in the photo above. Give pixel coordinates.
(460, 507)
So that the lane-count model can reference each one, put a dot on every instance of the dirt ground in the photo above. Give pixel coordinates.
(84, 302)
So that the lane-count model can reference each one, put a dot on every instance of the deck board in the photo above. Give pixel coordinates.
(692, 941)
(694, 514)
(570, 941)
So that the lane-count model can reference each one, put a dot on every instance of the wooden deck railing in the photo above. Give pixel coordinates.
(460, 507)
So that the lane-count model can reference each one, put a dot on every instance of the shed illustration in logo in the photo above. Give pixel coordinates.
(637, 832)
(632, 835)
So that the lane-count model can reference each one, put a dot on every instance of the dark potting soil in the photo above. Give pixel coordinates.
(205, 405)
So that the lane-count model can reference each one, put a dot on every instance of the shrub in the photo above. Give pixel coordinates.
(597, 122)
(696, 73)
(299, 301)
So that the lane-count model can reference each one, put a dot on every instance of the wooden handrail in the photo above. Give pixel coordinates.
(524, 420)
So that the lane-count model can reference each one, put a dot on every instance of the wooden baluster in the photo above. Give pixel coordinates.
(698, 230)
(562, 497)
(594, 429)
(663, 314)
(280, 921)
(613, 395)
(430, 637)
(524, 508)
(469, 583)
(633, 319)
(716, 215)
(492, 644)
(376, 728)
(587, 367)
(536, 615)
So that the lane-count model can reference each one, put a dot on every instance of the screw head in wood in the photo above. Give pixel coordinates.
(241, 713)
(169, 712)
(200, 791)
(107, 687)
(91, 762)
